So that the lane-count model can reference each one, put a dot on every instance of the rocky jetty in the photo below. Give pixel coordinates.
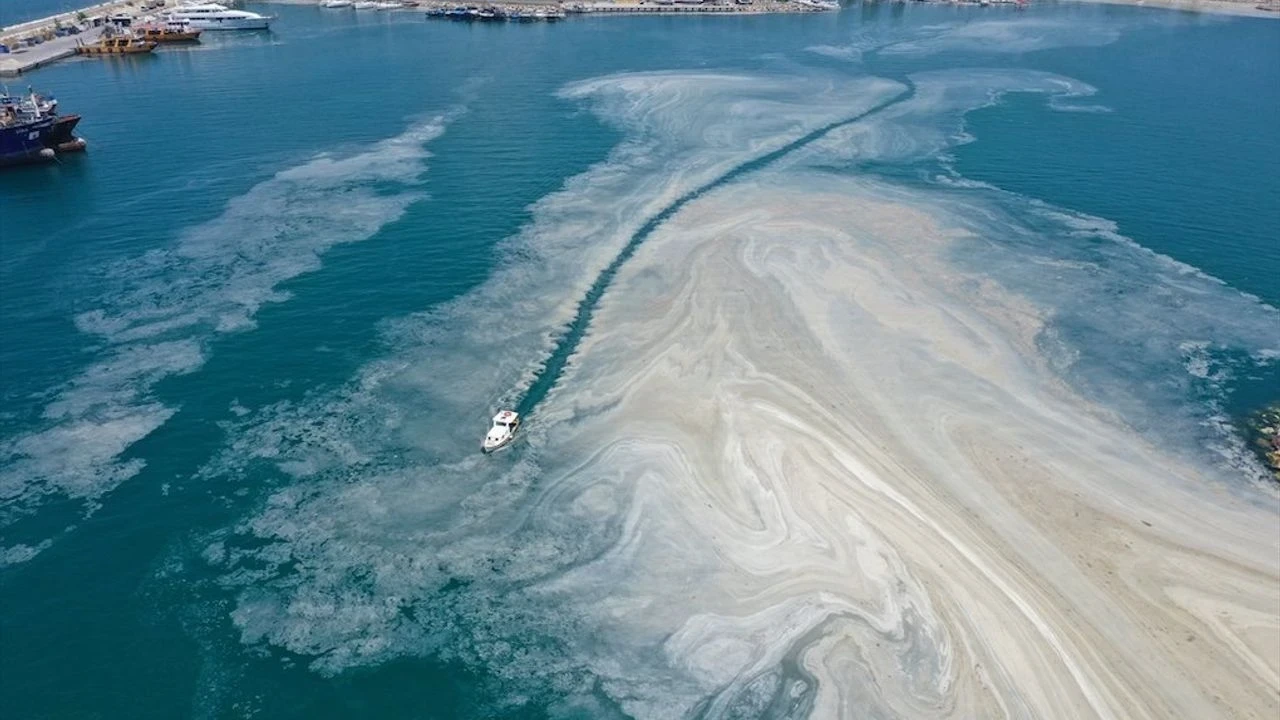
(1264, 436)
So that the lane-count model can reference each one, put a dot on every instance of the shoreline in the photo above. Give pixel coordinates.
(1208, 7)
(606, 7)
(1236, 8)
(17, 61)
(68, 17)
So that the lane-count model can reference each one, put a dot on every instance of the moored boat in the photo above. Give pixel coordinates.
(32, 131)
(21, 140)
(61, 138)
(118, 45)
(211, 16)
(162, 35)
(171, 31)
(336, 4)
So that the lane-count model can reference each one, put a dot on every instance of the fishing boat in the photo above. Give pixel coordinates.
(211, 16)
(32, 131)
(336, 4)
(22, 139)
(61, 138)
(170, 31)
(44, 104)
(118, 45)
(502, 432)
(365, 5)
(388, 6)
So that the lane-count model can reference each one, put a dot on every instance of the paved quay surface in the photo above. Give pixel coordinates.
(27, 59)
(22, 58)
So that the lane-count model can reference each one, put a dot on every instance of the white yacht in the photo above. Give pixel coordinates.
(503, 431)
(211, 16)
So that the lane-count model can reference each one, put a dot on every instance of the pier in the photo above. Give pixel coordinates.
(511, 8)
(37, 43)
(665, 8)
(26, 59)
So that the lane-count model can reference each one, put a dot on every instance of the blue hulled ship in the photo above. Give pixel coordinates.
(31, 130)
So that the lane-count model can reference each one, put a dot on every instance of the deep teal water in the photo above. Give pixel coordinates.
(107, 621)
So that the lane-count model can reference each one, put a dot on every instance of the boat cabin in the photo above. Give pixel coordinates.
(502, 432)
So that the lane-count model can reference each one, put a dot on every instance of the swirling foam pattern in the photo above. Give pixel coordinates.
(845, 458)
(810, 460)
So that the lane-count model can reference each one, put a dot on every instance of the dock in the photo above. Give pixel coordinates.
(26, 59)
(37, 43)
(671, 8)
(632, 7)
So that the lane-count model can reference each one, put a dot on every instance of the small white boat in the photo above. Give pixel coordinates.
(365, 5)
(505, 424)
(389, 6)
(336, 3)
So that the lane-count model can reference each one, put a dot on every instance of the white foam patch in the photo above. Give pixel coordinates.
(847, 449)
(17, 554)
(932, 121)
(402, 437)
(1018, 35)
(854, 51)
(165, 306)
(808, 462)
(839, 52)
(1067, 261)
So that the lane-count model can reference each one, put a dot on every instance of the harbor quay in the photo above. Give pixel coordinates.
(608, 7)
(26, 59)
(33, 44)
(36, 43)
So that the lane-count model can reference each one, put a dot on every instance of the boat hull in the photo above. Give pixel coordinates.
(23, 144)
(230, 23)
(172, 36)
(61, 138)
(486, 448)
(131, 50)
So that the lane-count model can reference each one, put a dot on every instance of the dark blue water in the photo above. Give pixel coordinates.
(256, 211)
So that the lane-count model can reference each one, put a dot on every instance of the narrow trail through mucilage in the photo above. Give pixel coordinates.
(553, 367)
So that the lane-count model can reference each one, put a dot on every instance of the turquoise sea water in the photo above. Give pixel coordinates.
(268, 224)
